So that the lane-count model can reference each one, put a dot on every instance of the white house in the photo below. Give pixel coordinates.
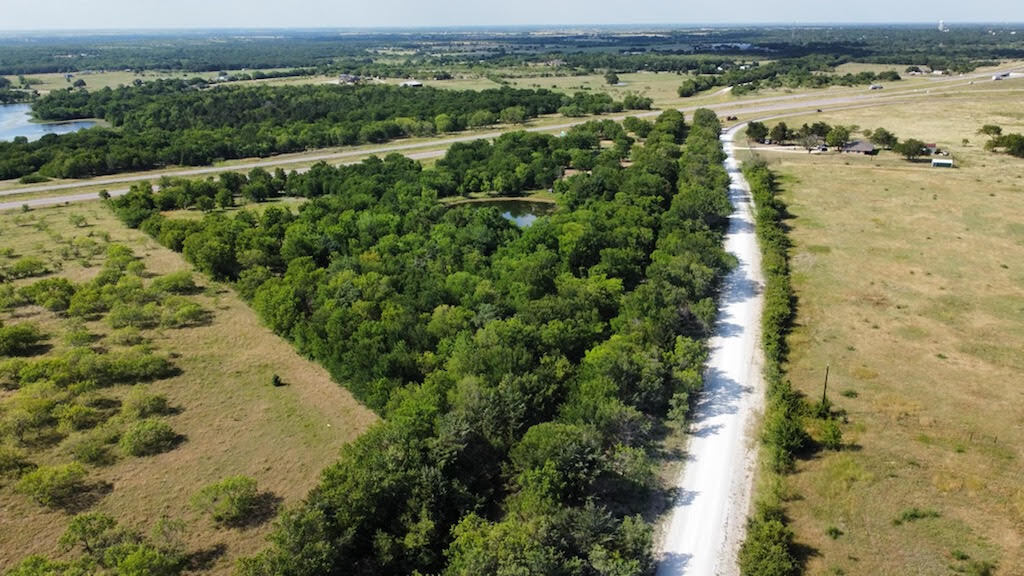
(942, 162)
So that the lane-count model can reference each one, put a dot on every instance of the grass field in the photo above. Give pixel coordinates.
(911, 288)
(233, 419)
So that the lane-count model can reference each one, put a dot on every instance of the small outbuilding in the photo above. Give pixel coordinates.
(860, 147)
(412, 84)
(942, 162)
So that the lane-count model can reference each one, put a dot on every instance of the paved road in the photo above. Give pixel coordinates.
(706, 523)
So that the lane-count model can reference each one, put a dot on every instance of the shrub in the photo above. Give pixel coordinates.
(914, 514)
(141, 404)
(130, 314)
(147, 437)
(54, 294)
(13, 463)
(179, 312)
(19, 339)
(831, 435)
(126, 337)
(92, 449)
(53, 486)
(767, 551)
(27, 266)
(74, 417)
(230, 501)
(175, 283)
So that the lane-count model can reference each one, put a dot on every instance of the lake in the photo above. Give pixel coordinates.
(16, 120)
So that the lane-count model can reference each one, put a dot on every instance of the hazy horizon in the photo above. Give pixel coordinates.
(154, 15)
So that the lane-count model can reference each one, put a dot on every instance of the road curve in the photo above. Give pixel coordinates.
(706, 523)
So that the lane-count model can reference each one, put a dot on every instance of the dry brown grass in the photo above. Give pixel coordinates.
(234, 420)
(911, 286)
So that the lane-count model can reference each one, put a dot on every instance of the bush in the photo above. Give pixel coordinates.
(831, 435)
(914, 514)
(13, 463)
(19, 339)
(33, 179)
(27, 266)
(179, 312)
(53, 486)
(180, 282)
(92, 449)
(230, 501)
(141, 404)
(74, 417)
(767, 550)
(148, 437)
(54, 294)
(128, 314)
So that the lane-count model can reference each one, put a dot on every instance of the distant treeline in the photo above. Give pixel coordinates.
(404, 54)
(523, 374)
(181, 122)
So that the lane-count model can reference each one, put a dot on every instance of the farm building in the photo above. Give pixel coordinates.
(942, 162)
(860, 147)
(411, 84)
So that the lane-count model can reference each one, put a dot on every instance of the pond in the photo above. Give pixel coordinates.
(16, 120)
(523, 212)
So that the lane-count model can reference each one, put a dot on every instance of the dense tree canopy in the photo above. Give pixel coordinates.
(186, 123)
(520, 371)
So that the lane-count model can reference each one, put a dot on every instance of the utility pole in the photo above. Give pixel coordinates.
(824, 392)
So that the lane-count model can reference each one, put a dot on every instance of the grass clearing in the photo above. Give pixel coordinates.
(910, 288)
(233, 419)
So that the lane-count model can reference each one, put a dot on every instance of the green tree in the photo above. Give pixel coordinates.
(883, 138)
(611, 78)
(513, 115)
(911, 149)
(757, 131)
(444, 123)
(779, 133)
(838, 136)
(481, 118)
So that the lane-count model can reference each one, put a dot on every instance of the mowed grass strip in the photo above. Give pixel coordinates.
(911, 288)
(233, 419)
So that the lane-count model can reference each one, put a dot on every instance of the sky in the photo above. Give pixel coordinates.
(163, 14)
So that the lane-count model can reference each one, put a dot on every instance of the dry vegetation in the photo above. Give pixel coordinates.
(233, 420)
(911, 287)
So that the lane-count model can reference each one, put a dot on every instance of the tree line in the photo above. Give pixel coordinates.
(805, 72)
(523, 373)
(176, 122)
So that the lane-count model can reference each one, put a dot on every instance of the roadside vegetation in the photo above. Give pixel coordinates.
(915, 463)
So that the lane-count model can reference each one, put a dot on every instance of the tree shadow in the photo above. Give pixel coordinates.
(263, 510)
(86, 498)
(673, 563)
(204, 559)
